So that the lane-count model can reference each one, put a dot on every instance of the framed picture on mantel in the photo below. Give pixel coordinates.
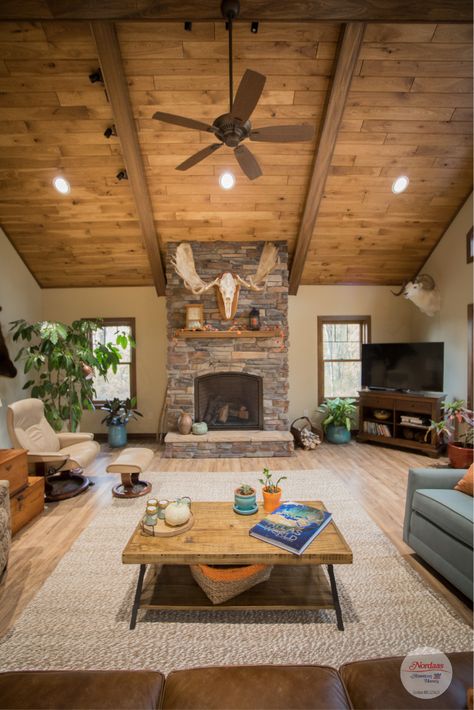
(194, 316)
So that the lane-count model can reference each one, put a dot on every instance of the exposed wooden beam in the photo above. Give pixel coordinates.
(268, 10)
(349, 49)
(112, 70)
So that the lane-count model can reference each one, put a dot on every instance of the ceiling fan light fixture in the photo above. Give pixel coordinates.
(227, 181)
(400, 184)
(61, 185)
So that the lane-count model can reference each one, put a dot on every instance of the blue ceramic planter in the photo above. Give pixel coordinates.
(337, 434)
(245, 504)
(117, 435)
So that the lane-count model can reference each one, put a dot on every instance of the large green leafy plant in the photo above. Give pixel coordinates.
(338, 412)
(63, 361)
(457, 424)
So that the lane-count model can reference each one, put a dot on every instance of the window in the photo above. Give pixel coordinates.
(340, 341)
(121, 384)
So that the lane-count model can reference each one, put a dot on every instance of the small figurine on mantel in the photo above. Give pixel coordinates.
(254, 319)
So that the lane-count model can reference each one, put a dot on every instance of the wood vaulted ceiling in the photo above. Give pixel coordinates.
(409, 111)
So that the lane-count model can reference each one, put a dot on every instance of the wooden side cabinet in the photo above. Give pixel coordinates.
(26, 492)
(400, 420)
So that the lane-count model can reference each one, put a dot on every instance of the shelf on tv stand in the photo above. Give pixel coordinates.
(426, 405)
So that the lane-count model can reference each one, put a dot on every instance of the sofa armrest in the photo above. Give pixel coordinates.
(418, 478)
(68, 438)
(47, 457)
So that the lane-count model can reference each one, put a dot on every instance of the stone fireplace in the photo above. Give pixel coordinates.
(236, 381)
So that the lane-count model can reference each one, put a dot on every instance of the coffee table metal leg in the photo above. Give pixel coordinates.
(335, 597)
(138, 594)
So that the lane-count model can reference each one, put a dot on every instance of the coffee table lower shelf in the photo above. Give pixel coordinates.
(289, 587)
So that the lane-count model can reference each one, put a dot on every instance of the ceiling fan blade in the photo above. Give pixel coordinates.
(183, 121)
(247, 96)
(282, 134)
(248, 162)
(197, 157)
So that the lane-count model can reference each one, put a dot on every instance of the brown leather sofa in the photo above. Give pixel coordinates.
(373, 684)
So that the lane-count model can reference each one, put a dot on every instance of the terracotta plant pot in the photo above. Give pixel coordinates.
(271, 501)
(460, 456)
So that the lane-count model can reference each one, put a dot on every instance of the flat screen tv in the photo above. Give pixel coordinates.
(416, 367)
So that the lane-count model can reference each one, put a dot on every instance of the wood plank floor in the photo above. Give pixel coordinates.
(376, 477)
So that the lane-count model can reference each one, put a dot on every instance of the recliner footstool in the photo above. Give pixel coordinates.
(130, 464)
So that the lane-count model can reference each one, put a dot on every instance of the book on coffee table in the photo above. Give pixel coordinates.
(292, 526)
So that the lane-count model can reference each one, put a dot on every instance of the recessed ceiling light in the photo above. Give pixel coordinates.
(61, 185)
(227, 181)
(400, 184)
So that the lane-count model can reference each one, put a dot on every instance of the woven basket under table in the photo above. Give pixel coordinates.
(221, 584)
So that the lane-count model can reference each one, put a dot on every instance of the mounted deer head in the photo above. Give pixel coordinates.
(227, 284)
(423, 293)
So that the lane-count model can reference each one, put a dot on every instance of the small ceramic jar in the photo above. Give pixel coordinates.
(162, 505)
(151, 512)
(199, 428)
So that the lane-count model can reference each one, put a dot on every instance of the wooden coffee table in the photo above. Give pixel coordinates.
(221, 537)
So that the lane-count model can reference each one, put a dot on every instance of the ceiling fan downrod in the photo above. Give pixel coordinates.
(230, 10)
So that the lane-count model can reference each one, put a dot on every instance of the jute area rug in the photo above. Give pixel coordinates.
(79, 619)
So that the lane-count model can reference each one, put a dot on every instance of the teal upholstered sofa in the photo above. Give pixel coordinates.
(439, 524)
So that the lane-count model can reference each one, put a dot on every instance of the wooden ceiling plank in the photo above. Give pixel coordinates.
(116, 85)
(346, 61)
(320, 10)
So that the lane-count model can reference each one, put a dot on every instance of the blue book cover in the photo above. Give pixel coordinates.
(292, 526)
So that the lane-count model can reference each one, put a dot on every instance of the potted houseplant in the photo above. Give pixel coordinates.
(337, 422)
(119, 413)
(245, 500)
(456, 424)
(271, 491)
(63, 361)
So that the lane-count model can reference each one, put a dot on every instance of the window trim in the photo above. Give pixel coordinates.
(130, 322)
(333, 320)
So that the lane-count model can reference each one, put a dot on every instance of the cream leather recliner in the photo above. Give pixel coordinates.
(29, 429)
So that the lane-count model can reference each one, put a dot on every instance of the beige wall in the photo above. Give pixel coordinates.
(390, 318)
(140, 303)
(454, 277)
(20, 297)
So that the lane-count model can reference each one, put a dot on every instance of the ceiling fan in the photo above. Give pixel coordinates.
(234, 127)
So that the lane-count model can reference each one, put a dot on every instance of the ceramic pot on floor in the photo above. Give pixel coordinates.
(460, 456)
(117, 435)
(337, 434)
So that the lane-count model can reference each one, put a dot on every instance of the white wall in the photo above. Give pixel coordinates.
(454, 277)
(390, 321)
(141, 303)
(20, 297)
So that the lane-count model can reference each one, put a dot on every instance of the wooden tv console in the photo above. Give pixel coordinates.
(394, 431)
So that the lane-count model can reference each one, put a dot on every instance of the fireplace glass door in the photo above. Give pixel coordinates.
(229, 400)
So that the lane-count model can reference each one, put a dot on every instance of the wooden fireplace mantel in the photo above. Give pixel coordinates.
(274, 333)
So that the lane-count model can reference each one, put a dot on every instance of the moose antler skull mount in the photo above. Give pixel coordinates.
(227, 284)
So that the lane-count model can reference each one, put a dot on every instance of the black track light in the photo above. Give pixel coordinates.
(96, 76)
(188, 26)
(122, 175)
(110, 131)
(254, 27)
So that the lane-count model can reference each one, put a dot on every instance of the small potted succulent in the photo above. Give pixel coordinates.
(119, 413)
(337, 422)
(271, 491)
(457, 424)
(245, 500)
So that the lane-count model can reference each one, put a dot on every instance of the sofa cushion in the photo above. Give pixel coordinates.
(376, 684)
(450, 510)
(255, 688)
(81, 690)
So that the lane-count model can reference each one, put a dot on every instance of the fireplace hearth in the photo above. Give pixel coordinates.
(229, 400)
